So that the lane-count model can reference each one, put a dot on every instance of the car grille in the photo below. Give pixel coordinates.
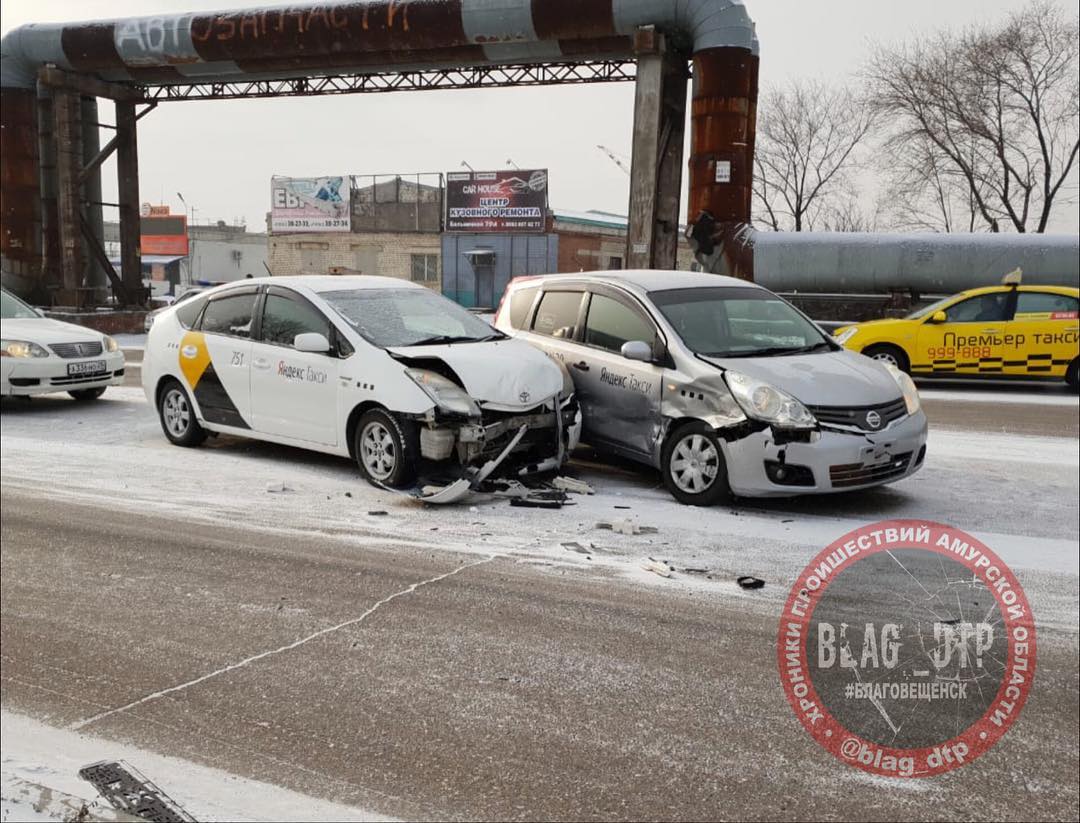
(857, 416)
(857, 474)
(91, 348)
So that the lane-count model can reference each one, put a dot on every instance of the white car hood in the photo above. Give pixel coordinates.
(841, 378)
(43, 331)
(501, 374)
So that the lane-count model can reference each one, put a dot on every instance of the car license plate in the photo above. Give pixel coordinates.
(86, 368)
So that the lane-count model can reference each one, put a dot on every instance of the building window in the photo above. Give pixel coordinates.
(425, 268)
(614, 263)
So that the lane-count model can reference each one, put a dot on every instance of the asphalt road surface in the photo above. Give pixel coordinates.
(412, 671)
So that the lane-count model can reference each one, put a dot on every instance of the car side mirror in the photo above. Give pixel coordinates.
(637, 350)
(938, 317)
(312, 342)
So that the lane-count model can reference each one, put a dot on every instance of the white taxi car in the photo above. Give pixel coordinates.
(378, 369)
(39, 355)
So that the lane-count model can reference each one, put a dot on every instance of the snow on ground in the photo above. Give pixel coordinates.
(40, 781)
(975, 481)
(1027, 395)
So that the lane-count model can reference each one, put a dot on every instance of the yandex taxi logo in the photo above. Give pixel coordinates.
(194, 357)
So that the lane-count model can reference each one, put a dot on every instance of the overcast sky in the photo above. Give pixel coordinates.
(220, 155)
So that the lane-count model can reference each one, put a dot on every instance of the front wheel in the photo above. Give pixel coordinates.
(386, 450)
(889, 355)
(1072, 376)
(693, 466)
(178, 417)
(85, 395)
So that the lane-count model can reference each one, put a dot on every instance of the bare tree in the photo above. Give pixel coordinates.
(985, 123)
(807, 140)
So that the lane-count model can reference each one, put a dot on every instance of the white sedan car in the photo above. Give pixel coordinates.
(39, 355)
(381, 370)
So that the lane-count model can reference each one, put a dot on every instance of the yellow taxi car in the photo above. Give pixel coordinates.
(1006, 331)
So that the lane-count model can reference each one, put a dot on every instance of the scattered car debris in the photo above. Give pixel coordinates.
(660, 567)
(690, 570)
(749, 582)
(540, 500)
(621, 507)
(132, 793)
(377, 513)
(277, 486)
(626, 527)
(573, 485)
(576, 547)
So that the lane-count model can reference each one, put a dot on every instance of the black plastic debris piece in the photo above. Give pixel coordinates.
(575, 547)
(532, 502)
(749, 582)
(377, 513)
(690, 570)
(132, 793)
(621, 507)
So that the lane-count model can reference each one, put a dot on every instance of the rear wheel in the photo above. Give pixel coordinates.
(693, 466)
(889, 355)
(178, 416)
(84, 395)
(386, 450)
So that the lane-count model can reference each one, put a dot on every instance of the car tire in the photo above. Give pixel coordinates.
(177, 416)
(1072, 375)
(892, 355)
(693, 466)
(386, 449)
(85, 395)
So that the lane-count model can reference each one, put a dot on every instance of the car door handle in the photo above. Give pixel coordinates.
(261, 363)
(582, 366)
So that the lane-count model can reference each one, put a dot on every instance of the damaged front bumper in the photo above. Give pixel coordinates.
(767, 464)
(496, 444)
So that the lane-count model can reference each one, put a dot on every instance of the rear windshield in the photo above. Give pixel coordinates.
(738, 322)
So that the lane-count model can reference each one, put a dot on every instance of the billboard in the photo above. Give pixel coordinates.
(308, 204)
(163, 233)
(497, 201)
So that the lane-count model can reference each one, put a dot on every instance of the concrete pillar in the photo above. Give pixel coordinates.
(656, 166)
(127, 169)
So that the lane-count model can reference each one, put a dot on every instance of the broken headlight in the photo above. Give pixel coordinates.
(907, 388)
(446, 394)
(764, 402)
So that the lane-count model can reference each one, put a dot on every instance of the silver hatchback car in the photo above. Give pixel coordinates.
(721, 384)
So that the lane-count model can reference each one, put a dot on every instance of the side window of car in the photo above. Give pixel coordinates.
(520, 303)
(611, 323)
(188, 311)
(1035, 305)
(285, 317)
(985, 308)
(230, 315)
(557, 313)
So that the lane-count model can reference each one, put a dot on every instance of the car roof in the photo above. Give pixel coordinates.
(320, 283)
(1068, 291)
(647, 280)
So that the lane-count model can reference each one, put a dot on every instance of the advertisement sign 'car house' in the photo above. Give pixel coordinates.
(497, 201)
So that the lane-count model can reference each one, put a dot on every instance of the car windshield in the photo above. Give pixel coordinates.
(937, 305)
(408, 317)
(12, 308)
(731, 321)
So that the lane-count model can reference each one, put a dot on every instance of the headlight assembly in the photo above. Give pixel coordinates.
(446, 394)
(907, 388)
(846, 335)
(110, 344)
(764, 402)
(21, 348)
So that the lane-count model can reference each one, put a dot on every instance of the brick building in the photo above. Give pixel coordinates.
(594, 240)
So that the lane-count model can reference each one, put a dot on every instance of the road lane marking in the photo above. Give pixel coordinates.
(79, 724)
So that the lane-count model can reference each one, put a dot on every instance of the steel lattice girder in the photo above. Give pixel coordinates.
(472, 77)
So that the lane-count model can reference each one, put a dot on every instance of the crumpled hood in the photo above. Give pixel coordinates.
(500, 374)
(43, 331)
(841, 378)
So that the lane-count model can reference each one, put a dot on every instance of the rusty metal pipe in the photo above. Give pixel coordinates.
(384, 35)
